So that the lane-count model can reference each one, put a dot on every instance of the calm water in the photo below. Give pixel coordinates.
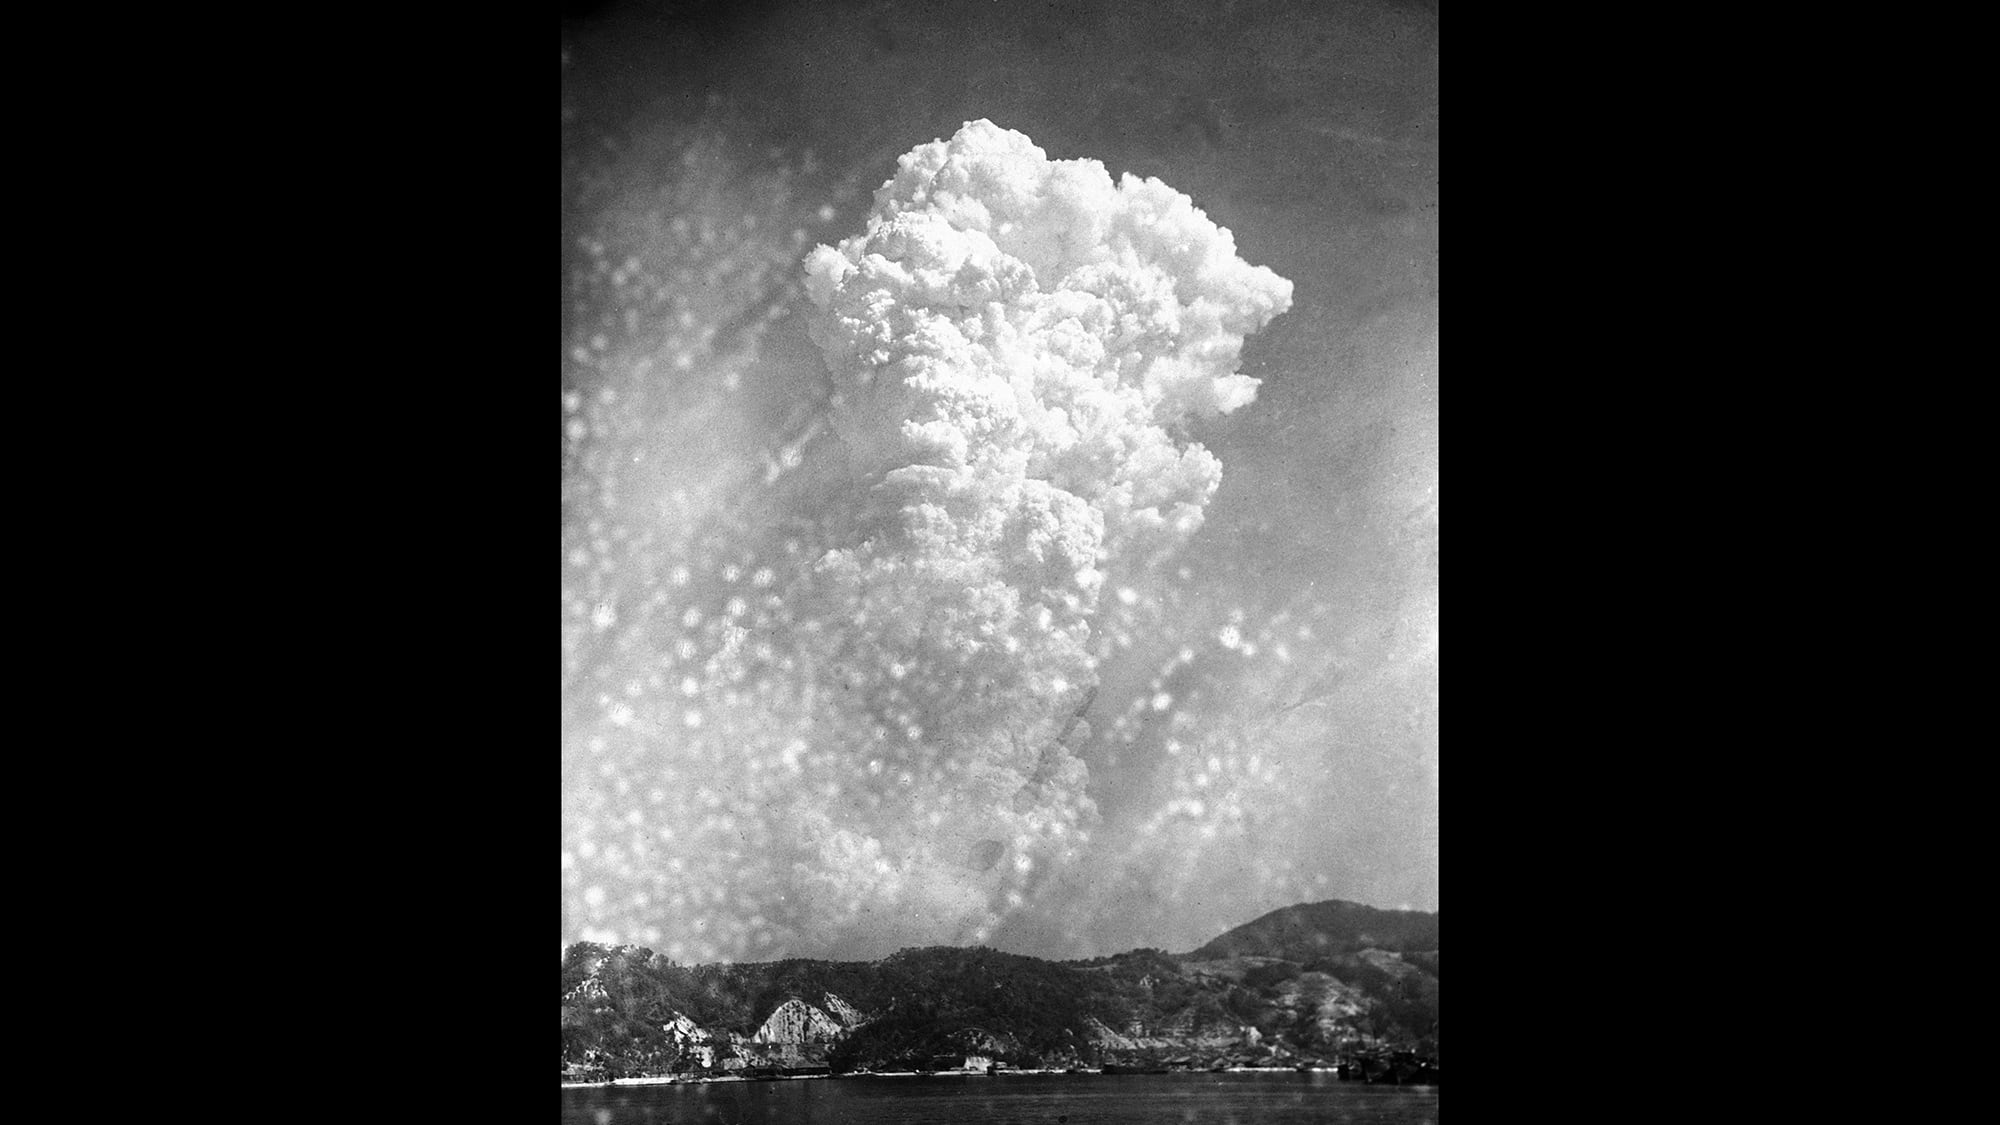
(1025, 1099)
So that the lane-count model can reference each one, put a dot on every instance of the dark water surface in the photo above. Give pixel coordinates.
(1025, 1099)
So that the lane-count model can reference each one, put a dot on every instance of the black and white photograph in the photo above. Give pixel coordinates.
(1000, 561)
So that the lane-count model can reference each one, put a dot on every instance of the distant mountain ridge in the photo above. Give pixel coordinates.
(1320, 929)
(1307, 983)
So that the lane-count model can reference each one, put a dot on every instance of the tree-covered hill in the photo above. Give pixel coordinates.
(1320, 929)
(1311, 982)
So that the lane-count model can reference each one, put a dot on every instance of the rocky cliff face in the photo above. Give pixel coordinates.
(795, 1034)
(1105, 1037)
(693, 1043)
(842, 1011)
(797, 1023)
(630, 1011)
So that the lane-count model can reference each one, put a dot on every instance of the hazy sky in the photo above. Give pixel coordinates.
(831, 689)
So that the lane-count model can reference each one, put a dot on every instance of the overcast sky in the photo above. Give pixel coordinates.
(803, 718)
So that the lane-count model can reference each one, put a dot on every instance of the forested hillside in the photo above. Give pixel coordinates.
(1307, 984)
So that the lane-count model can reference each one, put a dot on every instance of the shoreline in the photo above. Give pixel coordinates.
(693, 1080)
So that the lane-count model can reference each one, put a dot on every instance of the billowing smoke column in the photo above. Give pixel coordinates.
(1015, 343)
(832, 706)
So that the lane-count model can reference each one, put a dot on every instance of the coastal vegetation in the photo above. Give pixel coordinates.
(1320, 983)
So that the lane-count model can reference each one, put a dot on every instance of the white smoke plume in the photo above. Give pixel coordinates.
(869, 731)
